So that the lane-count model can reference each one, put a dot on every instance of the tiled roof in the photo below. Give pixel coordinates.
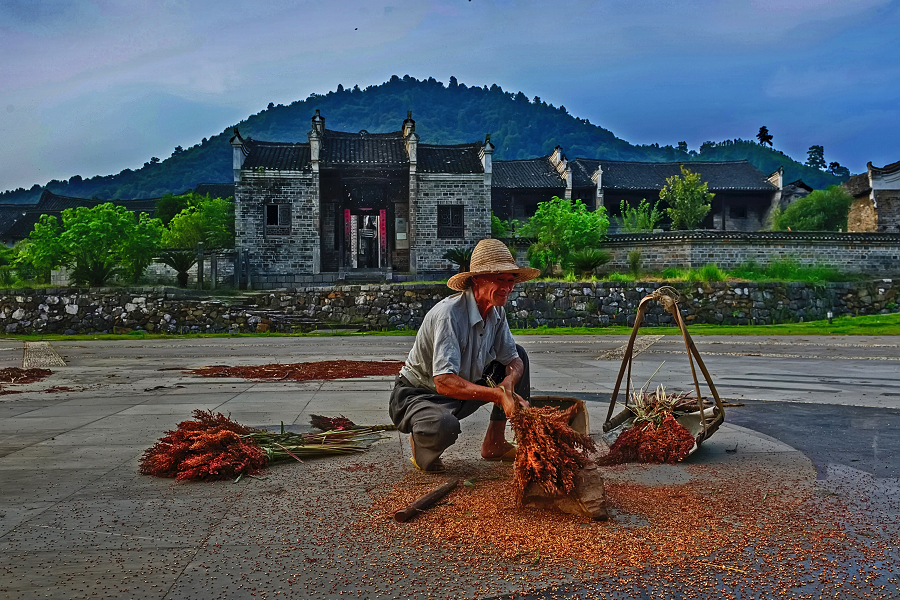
(139, 205)
(858, 185)
(364, 149)
(277, 156)
(54, 204)
(799, 184)
(461, 158)
(9, 214)
(215, 190)
(529, 173)
(625, 175)
(51, 202)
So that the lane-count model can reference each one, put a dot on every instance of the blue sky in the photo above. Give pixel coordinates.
(93, 87)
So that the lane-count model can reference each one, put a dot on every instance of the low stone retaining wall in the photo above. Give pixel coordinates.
(170, 310)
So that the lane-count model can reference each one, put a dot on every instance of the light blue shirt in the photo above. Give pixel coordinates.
(455, 339)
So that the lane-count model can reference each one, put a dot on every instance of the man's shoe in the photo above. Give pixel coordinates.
(435, 467)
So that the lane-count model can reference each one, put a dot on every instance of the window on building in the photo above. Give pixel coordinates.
(450, 221)
(738, 212)
(278, 219)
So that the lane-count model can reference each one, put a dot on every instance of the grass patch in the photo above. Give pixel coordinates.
(787, 269)
(864, 325)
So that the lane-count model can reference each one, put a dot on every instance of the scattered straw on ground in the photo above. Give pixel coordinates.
(326, 369)
(16, 375)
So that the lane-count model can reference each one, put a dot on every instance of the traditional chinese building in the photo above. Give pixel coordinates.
(876, 199)
(343, 202)
(743, 194)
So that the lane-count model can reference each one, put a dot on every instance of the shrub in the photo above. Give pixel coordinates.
(821, 210)
(562, 226)
(635, 262)
(688, 199)
(641, 218)
(584, 261)
(459, 257)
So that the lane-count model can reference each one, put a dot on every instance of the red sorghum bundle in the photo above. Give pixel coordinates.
(647, 443)
(208, 448)
(550, 452)
(340, 423)
(213, 447)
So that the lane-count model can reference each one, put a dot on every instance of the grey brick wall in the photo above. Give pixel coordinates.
(848, 252)
(278, 260)
(433, 190)
(873, 253)
(888, 210)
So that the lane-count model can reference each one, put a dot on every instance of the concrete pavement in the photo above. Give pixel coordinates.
(78, 521)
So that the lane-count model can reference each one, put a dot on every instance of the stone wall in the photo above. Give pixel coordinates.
(404, 306)
(279, 257)
(875, 253)
(433, 190)
(862, 216)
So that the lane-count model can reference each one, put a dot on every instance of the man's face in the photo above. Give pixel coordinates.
(493, 289)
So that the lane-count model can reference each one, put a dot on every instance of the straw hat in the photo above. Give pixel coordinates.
(491, 256)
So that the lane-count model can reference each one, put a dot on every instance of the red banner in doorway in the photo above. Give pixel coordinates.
(382, 235)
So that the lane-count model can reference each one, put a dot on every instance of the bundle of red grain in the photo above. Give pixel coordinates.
(647, 443)
(550, 452)
(209, 448)
(214, 447)
(655, 436)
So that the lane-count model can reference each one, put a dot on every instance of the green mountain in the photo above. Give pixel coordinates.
(451, 114)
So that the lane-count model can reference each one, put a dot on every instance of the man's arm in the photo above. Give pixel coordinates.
(450, 384)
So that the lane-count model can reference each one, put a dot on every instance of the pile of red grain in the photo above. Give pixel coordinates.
(209, 448)
(326, 369)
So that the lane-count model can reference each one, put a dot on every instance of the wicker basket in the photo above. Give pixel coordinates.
(703, 422)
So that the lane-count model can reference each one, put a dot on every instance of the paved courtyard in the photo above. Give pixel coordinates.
(78, 521)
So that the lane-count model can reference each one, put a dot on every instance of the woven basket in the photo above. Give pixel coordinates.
(703, 422)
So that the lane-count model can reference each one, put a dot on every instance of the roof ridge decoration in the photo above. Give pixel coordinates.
(886, 169)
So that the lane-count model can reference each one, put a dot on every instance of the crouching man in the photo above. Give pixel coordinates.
(464, 357)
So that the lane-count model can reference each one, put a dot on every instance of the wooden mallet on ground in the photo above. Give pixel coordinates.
(426, 501)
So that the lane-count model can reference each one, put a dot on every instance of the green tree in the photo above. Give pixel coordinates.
(210, 220)
(95, 243)
(836, 169)
(764, 137)
(170, 205)
(642, 218)
(816, 157)
(561, 227)
(42, 250)
(688, 199)
(821, 210)
(499, 227)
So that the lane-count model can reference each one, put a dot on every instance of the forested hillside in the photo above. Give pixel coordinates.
(448, 114)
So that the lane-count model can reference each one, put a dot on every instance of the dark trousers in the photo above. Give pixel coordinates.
(433, 419)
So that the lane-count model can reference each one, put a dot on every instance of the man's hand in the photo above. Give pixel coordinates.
(450, 384)
(511, 401)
